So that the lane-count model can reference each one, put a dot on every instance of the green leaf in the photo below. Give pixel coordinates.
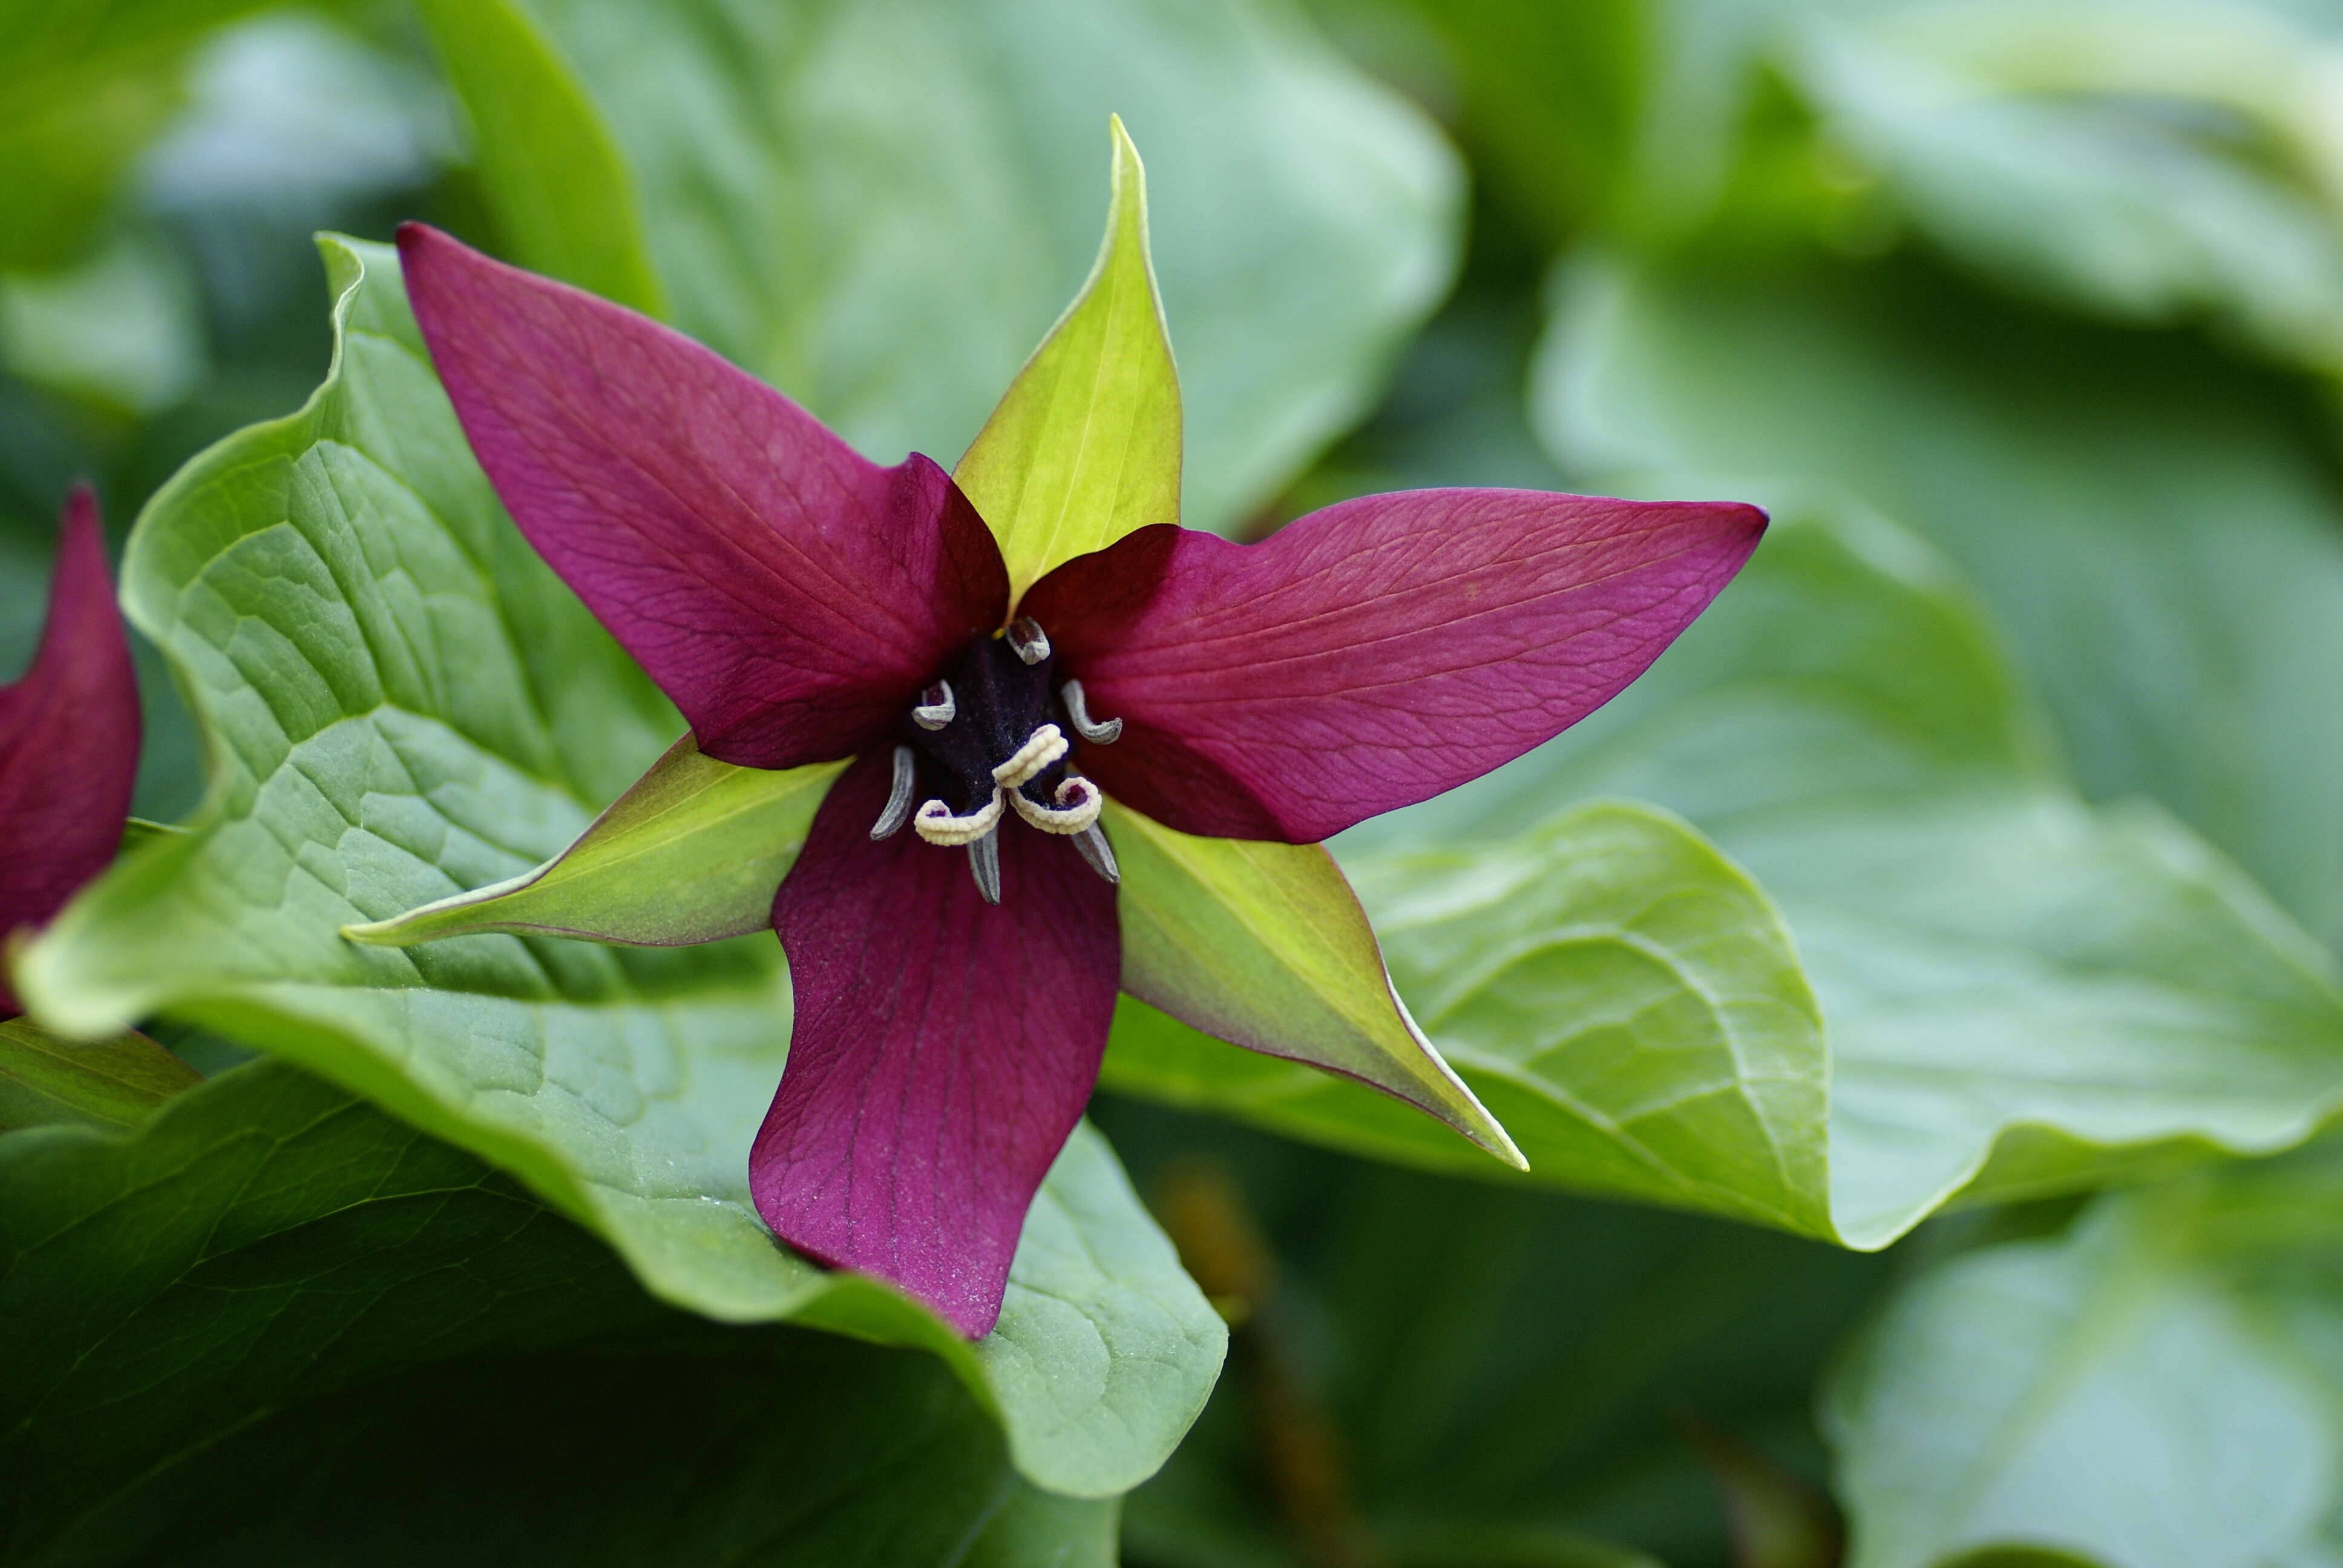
(881, 207)
(403, 703)
(2017, 994)
(1084, 446)
(2155, 1388)
(1035, 1529)
(113, 1083)
(563, 196)
(263, 1326)
(692, 852)
(2149, 519)
(1265, 945)
(1618, 993)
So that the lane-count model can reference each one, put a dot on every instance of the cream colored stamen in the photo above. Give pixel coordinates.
(1071, 815)
(937, 825)
(1041, 747)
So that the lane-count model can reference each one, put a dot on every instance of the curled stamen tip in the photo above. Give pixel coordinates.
(935, 822)
(1043, 746)
(1030, 641)
(1071, 815)
(937, 707)
(1089, 728)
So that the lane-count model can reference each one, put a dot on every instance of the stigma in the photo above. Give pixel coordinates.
(986, 739)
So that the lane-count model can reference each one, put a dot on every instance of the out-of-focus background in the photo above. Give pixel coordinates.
(2024, 316)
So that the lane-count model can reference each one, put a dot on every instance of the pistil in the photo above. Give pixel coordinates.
(994, 725)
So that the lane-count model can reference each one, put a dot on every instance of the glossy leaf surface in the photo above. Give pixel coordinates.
(404, 705)
(335, 1338)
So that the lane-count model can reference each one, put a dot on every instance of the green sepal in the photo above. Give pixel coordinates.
(109, 1083)
(1084, 446)
(1265, 946)
(692, 852)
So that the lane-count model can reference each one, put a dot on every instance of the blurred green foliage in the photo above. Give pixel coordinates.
(1993, 847)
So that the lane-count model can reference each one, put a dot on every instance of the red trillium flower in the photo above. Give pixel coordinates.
(68, 740)
(951, 923)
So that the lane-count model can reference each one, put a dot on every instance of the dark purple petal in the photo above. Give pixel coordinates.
(68, 738)
(1374, 654)
(942, 1051)
(790, 596)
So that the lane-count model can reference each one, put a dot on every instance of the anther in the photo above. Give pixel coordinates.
(1089, 728)
(1026, 636)
(899, 799)
(1078, 807)
(936, 824)
(1099, 853)
(984, 863)
(936, 707)
(1041, 747)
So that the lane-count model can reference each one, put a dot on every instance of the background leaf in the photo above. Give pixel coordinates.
(2155, 1387)
(881, 207)
(404, 703)
(111, 1084)
(2018, 995)
(1501, 1373)
(2152, 524)
(277, 1325)
(563, 196)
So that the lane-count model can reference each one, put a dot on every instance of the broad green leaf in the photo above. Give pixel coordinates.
(1084, 446)
(261, 1327)
(1504, 1370)
(2147, 518)
(1265, 945)
(2017, 994)
(113, 1083)
(692, 852)
(1616, 992)
(2158, 1388)
(402, 704)
(881, 207)
(563, 196)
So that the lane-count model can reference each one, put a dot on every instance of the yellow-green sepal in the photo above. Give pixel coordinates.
(692, 852)
(1084, 446)
(1265, 946)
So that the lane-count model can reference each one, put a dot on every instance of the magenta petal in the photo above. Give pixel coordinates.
(1372, 654)
(942, 1049)
(790, 596)
(68, 738)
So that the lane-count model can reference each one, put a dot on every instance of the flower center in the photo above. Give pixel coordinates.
(988, 737)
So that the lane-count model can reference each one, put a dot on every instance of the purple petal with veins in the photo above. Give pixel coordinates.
(942, 1049)
(789, 595)
(68, 738)
(1374, 654)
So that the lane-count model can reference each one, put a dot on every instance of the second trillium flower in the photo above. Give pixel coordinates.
(1060, 745)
